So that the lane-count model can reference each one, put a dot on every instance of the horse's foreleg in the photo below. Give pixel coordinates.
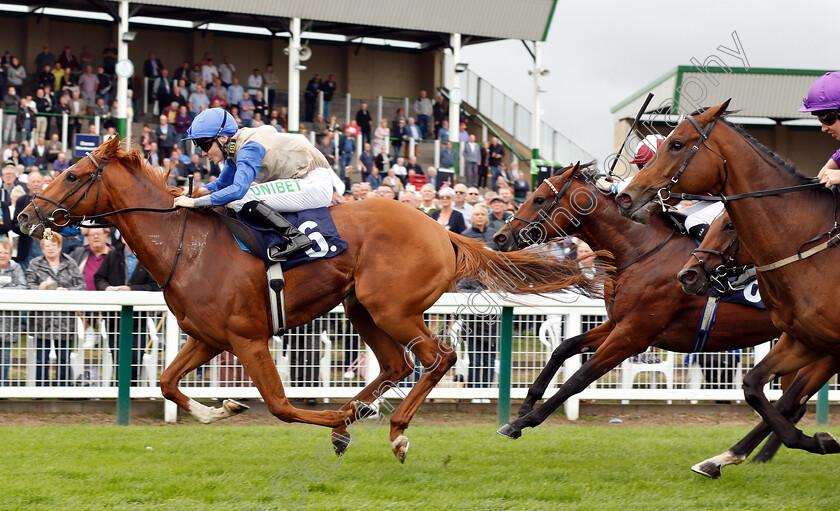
(256, 359)
(194, 354)
(787, 355)
(614, 350)
(791, 405)
(392, 367)
(588, 341)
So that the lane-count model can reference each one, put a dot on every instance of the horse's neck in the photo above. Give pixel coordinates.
(154, 237)
(606, 229)
(771, 228)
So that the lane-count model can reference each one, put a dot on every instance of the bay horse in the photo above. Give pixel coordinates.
(780, 216)
(646, 307)
(718, 258)
(398, 263)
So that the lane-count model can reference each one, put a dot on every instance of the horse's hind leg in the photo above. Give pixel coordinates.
(612, 352)
(771, 447)
(590, 340)
(788, 355)
(807, 382)
(392, 365)
(415, 335)
(191, 356)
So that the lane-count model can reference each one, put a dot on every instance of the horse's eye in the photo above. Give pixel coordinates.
(728, 226)
(676, 145)
(539, 201)
(72, 177)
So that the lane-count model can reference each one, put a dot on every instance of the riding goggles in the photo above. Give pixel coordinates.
(827, 117)
(204, 143)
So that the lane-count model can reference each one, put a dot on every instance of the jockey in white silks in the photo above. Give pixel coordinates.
(292, 173)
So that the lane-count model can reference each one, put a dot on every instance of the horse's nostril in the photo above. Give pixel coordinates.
(688, 276)
(501, 238)
(623, 199)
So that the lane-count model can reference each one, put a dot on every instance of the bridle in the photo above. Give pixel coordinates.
(719, 276)
(543, 213)
(664, 194)
(96, 176)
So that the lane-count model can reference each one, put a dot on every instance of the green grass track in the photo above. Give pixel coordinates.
(448, 467)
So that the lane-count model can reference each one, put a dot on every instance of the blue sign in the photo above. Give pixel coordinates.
(84, 144)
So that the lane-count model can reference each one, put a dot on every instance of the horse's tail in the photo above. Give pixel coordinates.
(521, 272)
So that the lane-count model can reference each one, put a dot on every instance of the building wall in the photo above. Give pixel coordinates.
(365, 72)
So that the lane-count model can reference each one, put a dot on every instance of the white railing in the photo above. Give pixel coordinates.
(325, 359)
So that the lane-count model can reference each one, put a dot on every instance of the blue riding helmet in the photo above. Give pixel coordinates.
(212, 123)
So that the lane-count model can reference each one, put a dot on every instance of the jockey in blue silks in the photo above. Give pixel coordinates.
(295, 176)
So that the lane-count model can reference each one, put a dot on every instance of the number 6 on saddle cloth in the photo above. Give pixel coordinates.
(258, 239)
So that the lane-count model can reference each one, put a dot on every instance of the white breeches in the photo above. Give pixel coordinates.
(702, 213)
(314, 190)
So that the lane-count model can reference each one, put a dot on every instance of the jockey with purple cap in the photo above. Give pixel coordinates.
(823, 101)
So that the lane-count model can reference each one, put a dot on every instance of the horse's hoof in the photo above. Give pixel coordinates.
(828, 443)
(364, 410)
(341, 443)
(708, 469)
(509, 431)
(400, 447)
(234, 407)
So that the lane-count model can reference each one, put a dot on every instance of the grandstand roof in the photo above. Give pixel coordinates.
(427, 23)
(756, 92)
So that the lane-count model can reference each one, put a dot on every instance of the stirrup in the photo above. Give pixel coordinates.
(295, 244)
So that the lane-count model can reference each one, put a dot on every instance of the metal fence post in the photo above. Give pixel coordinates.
(124, 376)
(146, 95)
(172, 342)
(349, 99)
(64, 130)
(505, 353)
(571, 328)
(437, 153)
(822, 406)
(97, 124)
(321, 103)
(379, 105)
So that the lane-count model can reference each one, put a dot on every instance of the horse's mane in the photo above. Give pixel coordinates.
(773, 157)
(585, 168)
(134, 160)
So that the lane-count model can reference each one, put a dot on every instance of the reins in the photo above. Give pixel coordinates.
(96, 176)
(664, 194)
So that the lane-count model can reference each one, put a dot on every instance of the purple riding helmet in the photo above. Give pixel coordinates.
(824, 94)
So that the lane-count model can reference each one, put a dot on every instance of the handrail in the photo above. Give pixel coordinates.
(484, 121)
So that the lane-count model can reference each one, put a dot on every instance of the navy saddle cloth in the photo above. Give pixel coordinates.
(315, 223)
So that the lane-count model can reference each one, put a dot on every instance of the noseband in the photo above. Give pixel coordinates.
(665, 193)
(719, 276)
(96, 176)
(542, 214)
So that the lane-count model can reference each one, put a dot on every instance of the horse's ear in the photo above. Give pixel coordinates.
(717, 111)
(110, 147)
(575, 170)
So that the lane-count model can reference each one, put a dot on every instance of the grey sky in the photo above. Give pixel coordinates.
(601, 52)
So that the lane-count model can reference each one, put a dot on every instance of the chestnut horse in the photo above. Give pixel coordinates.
(647, 306)
(398, 263)
(780, 218)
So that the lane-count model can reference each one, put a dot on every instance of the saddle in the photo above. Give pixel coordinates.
(258, 240)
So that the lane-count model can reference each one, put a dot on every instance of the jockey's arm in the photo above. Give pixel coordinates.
(225, 177)
(830, 173)
(248, 162)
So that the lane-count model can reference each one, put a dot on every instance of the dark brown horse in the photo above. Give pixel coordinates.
(647, 306)
(398, 263)
(705, 154)
(718, 258)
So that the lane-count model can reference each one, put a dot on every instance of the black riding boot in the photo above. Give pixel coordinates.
(296, 241)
